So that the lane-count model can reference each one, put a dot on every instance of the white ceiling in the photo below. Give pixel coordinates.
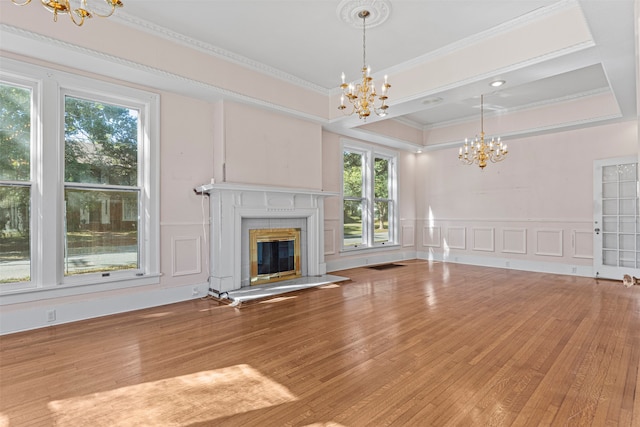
(308, 42)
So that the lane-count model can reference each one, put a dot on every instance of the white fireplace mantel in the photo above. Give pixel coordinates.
(229, 203)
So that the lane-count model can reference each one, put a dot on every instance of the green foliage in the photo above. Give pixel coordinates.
(101, 143)
(15, 133)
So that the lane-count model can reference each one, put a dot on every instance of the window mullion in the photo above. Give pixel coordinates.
(47, 188)
(368, 196)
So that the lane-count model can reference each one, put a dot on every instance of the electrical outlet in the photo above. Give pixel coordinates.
(51, 315)
(195, 292)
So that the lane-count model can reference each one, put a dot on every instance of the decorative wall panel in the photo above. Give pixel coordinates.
(408, 235)
(582, 244)
(483, 239)
(457, 237)
(329, 241)
(549, 242)
(185, 256)
(514, 240)
(431, 237)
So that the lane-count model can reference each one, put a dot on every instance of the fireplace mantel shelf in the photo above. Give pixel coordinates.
(232, 186)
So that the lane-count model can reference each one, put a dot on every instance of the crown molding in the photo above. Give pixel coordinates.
(484, 35)
(209, 49)
(531, 106)
(67, 54)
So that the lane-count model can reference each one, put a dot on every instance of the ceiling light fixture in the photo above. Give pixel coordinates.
(362, 95)
(478, 151)
(77, 14)
(497, 83)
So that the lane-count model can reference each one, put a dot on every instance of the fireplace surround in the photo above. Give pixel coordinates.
(234, 209)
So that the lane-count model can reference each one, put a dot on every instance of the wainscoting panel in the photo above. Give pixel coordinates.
(431, 237)
(514, 240)
(549, 242)
(185, 255)
(408, 235)
(483, 239)
(582, 244)
(329, 240)
(457, 237)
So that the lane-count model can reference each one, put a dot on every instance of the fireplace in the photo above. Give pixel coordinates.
(236, 209)
(274, 255)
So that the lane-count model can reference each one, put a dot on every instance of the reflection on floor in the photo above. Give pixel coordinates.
(262, 291)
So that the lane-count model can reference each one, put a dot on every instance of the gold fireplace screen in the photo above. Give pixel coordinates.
(274, 254)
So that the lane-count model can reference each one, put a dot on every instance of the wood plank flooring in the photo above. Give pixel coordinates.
(424, 344)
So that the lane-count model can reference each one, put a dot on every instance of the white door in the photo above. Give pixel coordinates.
(616, 242)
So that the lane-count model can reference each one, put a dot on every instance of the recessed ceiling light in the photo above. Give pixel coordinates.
(497, 83)
(433, 100)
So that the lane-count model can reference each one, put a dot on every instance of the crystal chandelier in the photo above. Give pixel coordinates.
(478, 151)
(78, 12)
(362, 95)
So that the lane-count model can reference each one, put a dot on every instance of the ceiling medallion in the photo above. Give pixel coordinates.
(349, 12)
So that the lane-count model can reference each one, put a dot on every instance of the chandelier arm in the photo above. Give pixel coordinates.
(361, 95)
(80, 12)
(479, 151)
(112, 3)
(64, 6)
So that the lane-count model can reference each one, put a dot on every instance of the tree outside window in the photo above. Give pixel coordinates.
(368, 197)
(15, 183)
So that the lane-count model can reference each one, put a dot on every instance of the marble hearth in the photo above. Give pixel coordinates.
(237, 208)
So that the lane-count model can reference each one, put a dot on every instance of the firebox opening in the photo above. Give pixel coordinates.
(274, 254)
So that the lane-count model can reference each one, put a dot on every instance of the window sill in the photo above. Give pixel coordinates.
(364, 249)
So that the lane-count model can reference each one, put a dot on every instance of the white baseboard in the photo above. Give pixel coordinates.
(44, 315)
(23, 319)
(508, 263)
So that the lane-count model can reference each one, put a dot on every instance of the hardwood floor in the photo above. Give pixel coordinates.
(424, 344)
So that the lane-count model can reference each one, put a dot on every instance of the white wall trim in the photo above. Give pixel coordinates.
(557, 252)
(18, 319)
(520, 233)
(431, 236)
(478, 233)
(451, 231)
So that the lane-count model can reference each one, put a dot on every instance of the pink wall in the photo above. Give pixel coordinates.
(332, 181)
(264, 147)
(543, 188)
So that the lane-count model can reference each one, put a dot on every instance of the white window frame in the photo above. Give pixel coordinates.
(47, 197)
(370, 152)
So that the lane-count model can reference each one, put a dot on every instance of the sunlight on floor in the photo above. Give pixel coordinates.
(329, 424)
(4, 420)
(276, 299)
(177, 401)
(154, 315)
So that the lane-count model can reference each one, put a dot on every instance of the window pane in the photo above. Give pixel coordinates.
(15, 133)
(381, 176)
(381, 222)
(15, 253)
(101, 231)
(352, 175)
(352, 223)
(101, 143)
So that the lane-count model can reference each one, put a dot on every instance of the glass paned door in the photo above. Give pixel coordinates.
(616, 218)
